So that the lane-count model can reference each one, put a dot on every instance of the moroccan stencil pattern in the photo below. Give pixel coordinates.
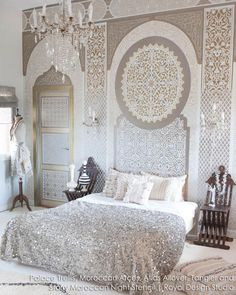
(218, 49)
(52, 185)
(216, 80)
(95, 137)
(160, 151)
(55, 111)
(152, 83)
(52, 77)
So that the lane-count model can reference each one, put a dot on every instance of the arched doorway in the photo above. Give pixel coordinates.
(53, 137)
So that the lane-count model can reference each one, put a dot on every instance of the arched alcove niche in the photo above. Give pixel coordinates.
(40, 71)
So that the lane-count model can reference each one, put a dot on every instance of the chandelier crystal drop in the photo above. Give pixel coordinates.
(64, 37)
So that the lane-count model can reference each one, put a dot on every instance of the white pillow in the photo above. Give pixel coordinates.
(176, 191)
(167, 188)
(138, 191)
(123, 180)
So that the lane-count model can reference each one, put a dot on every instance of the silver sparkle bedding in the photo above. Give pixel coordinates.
(126, 248)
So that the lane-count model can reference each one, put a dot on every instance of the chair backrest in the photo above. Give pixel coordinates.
(92, 171)
(223, 189)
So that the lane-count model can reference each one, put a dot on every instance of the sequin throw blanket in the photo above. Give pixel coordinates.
(126, 248)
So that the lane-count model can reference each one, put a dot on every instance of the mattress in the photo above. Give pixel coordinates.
(186, 210)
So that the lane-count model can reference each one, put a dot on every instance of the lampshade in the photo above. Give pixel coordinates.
(8, 97)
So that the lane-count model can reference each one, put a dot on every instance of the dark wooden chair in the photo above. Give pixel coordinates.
(92, 172)
(215, 217)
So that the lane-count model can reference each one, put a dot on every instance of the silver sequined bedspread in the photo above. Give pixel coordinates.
(126, 248)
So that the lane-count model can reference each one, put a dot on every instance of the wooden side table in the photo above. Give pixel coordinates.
(214, 224)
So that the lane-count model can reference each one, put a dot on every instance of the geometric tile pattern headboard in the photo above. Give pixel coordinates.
(160, 151)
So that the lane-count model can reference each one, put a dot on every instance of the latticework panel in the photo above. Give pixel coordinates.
(52, 185)
(214, 146)
(55, 112)
(160, 151)
(95, 98)
(216, 81)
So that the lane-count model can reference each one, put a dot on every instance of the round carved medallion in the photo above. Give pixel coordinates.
(151, 83)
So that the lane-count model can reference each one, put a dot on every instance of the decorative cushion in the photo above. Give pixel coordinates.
(110, 187)
(168, 189)
(211, 276)
(122, 186)
(123, 181)
(176, 191)
(138, 191)
(111, 184)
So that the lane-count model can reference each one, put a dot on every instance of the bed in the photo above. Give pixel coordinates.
(186, 210)
(129, 247)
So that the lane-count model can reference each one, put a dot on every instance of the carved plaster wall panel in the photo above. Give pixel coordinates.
(52, 77)
(95, 97)
(121, 8)
(161, 151)
(232, 164)
(100, 10)
(191, 22)
(138, 37)
(218, 49)
(111, 9)
(156, 68)
(216, 81)
(153, 82)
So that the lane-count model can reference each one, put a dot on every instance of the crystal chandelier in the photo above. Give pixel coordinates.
(65, 37)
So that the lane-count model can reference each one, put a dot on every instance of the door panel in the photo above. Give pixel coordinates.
(54, 143)
(53, 184)
(55, 111)
(55, 149)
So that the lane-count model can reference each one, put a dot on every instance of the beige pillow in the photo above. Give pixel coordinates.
(138, 191)
(159, 187)
(167, 188)
(110, 187)
(122, 186)
(111, 183)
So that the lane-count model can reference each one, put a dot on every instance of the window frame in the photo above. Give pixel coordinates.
(7, 155)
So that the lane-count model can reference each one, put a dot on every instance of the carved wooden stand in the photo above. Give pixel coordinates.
(21, 197)
(215, 219)
(214, 226)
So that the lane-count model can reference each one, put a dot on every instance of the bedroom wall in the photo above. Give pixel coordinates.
(11, 62)
(193, 49)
